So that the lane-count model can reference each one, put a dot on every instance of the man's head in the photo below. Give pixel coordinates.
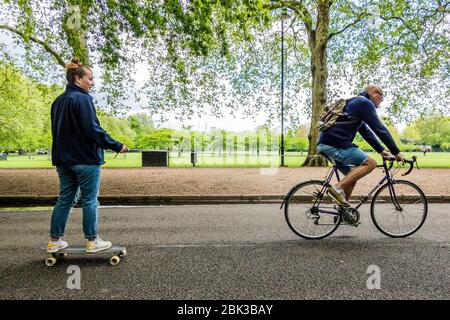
(375, 93)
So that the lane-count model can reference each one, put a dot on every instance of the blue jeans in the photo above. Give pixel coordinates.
(345, 159)
(73, 180)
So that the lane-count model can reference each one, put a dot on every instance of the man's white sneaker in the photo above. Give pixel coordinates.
(55, 246)
(97, 245)
(338, 195)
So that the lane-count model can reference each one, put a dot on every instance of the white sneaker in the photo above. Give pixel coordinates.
(339, 195)
(97, 245)
(54, 246)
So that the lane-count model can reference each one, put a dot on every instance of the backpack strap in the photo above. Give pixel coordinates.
(350, 119)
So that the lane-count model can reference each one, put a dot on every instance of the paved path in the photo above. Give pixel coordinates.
(225, 252)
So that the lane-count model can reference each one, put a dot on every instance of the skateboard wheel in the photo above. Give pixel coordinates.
(49, 262)
(114, 260)
(123, 253)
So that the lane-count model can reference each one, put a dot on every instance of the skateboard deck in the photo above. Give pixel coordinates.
(116, 251)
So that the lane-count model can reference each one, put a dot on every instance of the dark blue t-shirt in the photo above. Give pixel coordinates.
(366, 122)
(77, 135)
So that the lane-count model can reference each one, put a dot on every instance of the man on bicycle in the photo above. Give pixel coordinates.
(336, 142)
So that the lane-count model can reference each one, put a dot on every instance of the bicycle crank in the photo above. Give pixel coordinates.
(351, 217)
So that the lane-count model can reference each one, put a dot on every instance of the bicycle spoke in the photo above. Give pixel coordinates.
(303, 211)
(405, 219)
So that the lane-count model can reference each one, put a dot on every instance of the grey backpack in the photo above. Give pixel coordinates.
(331, 113)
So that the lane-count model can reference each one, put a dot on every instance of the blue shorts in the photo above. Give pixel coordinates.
(345, 159)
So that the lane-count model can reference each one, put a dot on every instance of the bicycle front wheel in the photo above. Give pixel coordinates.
(305, 211)
(400, 209)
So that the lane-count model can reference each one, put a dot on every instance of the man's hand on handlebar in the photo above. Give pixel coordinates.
(399, 157)
(386, 154)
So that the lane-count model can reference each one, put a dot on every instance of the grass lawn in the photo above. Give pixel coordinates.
(292, 159)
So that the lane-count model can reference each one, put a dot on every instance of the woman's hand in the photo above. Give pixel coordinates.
(124, 149)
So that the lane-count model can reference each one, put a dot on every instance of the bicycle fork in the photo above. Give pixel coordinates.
(394, 196)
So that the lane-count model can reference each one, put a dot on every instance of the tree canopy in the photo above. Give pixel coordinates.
(206, 55)
(25, 110)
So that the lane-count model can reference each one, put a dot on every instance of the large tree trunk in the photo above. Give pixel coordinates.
(74, 25)
(318, 39)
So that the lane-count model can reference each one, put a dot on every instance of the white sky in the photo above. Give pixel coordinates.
(205, 122)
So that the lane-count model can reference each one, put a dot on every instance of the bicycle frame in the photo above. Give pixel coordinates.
(307, 197)
(387, 177)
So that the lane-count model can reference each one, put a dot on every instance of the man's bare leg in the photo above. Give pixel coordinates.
(349, 181)
(349, 190)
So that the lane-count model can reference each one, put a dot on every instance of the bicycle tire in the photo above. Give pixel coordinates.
(302, 210)
(416, 204)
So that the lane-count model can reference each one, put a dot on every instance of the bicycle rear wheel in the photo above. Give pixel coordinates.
(400, 209)
(303, 211)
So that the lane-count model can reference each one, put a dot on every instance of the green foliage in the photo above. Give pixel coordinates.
(445, 146)
(141, 123)
(103, 33)
(409, 147)
(158, 139)
(403, 46)
(25, 111)
(407, 38)
(118, 129)
(433, 130)
(362, 144)
(294, 142)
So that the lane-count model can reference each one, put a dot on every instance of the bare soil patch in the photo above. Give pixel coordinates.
(204, 181)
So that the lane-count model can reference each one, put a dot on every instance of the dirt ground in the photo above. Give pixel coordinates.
(205, 181)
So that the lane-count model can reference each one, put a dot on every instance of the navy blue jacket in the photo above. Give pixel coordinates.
(365, 117)
(77, 135)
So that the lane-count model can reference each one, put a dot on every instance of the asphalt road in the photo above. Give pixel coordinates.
(225, 252)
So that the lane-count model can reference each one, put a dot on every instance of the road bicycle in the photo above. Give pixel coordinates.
(398, 207)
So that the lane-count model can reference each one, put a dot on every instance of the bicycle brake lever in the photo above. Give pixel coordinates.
(411, 166)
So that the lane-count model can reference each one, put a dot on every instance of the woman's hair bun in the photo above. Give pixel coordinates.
(75, 68)
(74, 63)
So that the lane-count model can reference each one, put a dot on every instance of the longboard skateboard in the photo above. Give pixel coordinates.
(117, 251)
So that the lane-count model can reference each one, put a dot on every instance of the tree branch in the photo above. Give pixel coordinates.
(298, 7)
(47, 48)
(358, 19)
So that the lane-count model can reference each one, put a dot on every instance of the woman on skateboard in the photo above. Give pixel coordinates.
(77, 152)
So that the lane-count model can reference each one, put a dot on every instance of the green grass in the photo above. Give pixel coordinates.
(292, 159)
(431, 160)
(36, 161)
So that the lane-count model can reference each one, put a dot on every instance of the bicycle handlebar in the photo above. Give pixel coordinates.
(408, 161)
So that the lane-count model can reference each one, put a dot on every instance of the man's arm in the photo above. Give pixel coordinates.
(369, 115)
(368, 135)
